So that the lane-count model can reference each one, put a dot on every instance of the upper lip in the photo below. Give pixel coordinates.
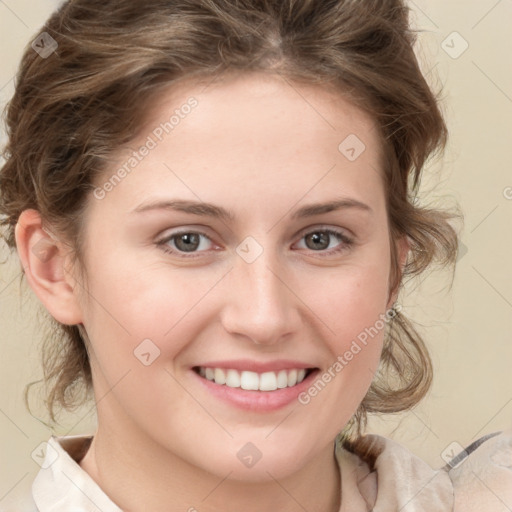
(255, 366)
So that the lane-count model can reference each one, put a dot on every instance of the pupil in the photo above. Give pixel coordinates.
(319, 238)
(191, 242)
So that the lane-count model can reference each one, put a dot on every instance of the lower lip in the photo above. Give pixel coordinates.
(259, 401)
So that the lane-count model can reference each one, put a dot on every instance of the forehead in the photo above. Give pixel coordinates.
(268, 97)
(251, 129)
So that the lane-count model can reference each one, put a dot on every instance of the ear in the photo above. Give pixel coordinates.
(402, 250)
(43, 259)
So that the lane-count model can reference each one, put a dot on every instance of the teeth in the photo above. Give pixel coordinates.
(267, 381)
(219, 376)
(249, 380)
(282, 379)
(233, 379)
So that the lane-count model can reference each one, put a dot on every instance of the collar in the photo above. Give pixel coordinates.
(62, 485)
(376, 473)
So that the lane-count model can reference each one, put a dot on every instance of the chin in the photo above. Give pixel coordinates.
(259, 462)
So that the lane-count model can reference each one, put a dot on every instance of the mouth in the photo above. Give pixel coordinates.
(254, 381)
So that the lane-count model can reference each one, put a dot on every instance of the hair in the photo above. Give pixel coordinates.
(71, 111)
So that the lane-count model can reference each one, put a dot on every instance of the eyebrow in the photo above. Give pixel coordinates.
(218, 212)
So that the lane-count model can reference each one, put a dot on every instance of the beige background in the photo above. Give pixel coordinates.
(468, 328)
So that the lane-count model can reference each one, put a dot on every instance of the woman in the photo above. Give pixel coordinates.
(214, 201)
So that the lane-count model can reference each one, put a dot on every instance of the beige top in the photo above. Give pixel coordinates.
(378, 474)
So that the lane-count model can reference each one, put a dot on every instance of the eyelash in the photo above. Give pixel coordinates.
(346, 244)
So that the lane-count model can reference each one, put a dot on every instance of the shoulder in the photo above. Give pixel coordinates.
(390, 477)
(481, 474)
(61, 485)
(394, 478)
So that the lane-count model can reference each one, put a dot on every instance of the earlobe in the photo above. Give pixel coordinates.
(43, 259)
(403, 247)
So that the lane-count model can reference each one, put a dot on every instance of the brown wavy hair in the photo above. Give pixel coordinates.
(72, 110)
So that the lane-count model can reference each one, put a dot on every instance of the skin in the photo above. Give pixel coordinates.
(262, 148)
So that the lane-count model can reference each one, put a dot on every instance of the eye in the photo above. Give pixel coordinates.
(321, 239)
(185, 242)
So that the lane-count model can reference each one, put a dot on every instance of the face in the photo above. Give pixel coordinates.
(209, 259)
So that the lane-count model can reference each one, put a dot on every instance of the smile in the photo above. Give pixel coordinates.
(253, 381)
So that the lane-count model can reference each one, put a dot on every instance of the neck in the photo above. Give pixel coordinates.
(146, 477)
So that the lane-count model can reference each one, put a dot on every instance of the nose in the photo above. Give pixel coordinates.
(260, 304)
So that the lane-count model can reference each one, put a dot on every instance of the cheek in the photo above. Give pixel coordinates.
(138, 326)
(350, 303)
(352, 306)
(358, 324)
(135, 309)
